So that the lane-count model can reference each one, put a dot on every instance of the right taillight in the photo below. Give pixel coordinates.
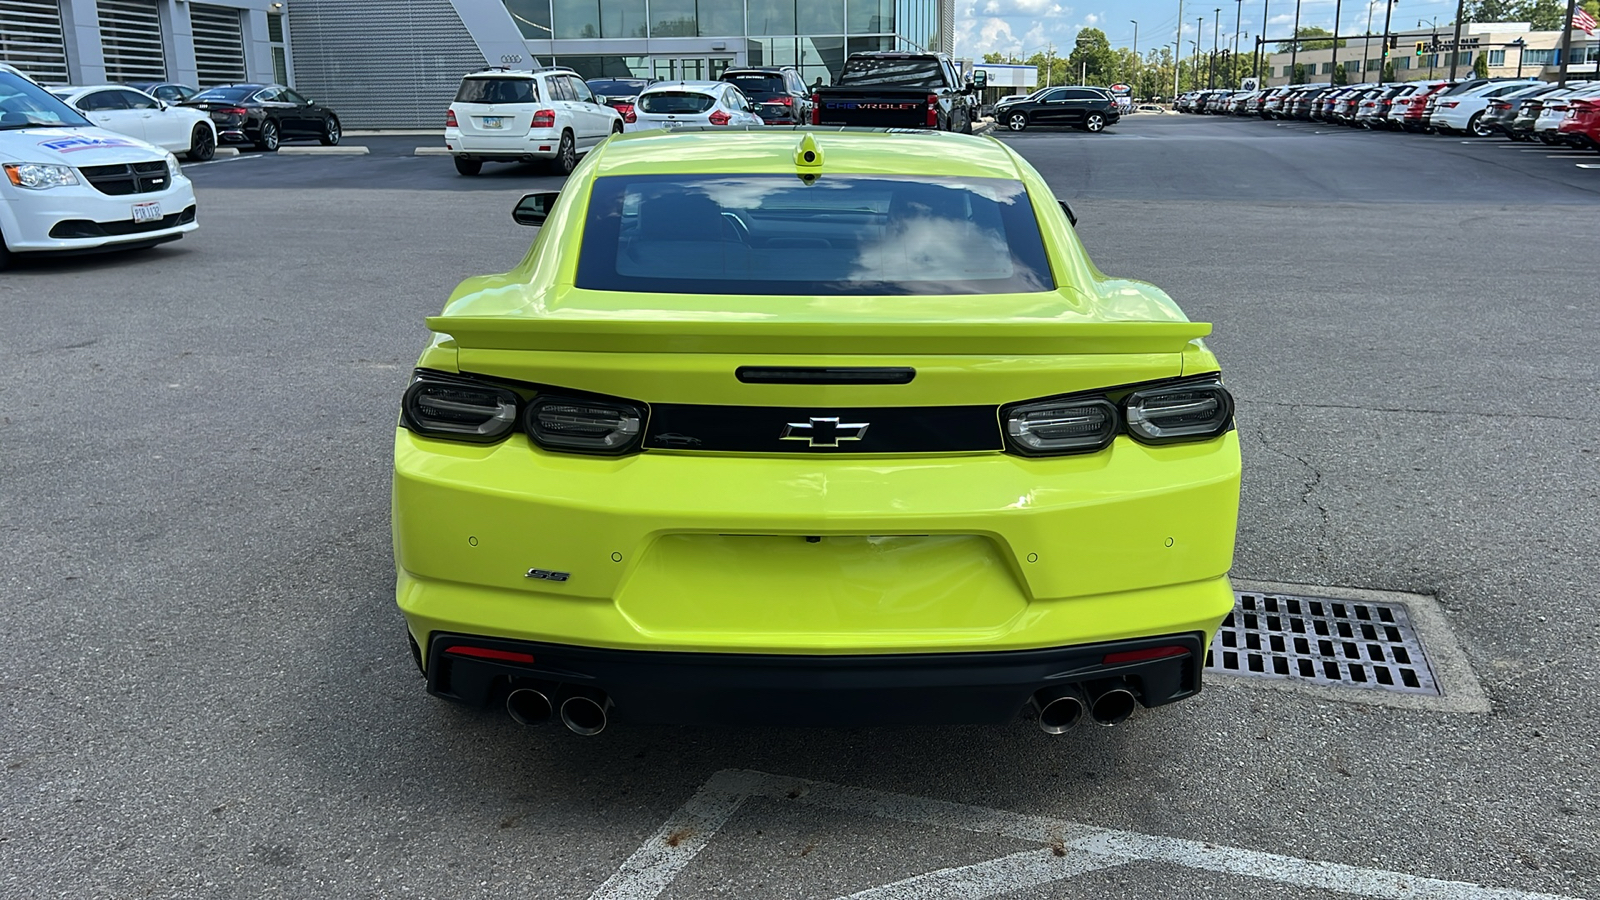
(544, 118)
(585, 425)
(1179, 412)
(450, 119)
(933, 110)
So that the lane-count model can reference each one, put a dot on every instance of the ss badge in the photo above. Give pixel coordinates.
(547, 575)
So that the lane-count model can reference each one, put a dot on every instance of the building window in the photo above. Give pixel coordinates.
(820, 16)
(607, 66)
(1403, 62)
(1327, 68)
(280, 51)
(872, 17)
(1374, 64)
(1497, 57)
(1464, 58)
(772, 16)
(1352, 66)
(1551, 57)
(532, 17)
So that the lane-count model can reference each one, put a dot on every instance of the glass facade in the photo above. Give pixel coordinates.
(812, 35)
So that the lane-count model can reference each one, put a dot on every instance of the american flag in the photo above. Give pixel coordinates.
(1582, 19)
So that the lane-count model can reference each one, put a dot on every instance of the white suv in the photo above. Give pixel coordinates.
(502, 115)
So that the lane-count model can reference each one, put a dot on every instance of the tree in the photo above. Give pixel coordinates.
(1480, 66)
(1492, 10)
(1310, 31)
(1388, 71)
(1340, 78)
(994, 57)
(1299, 76)
(1548, 15)
(1092, 58)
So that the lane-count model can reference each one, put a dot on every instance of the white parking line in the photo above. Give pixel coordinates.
(1070, 848)
(1570, 156)
(212, 162)
(1589, 165)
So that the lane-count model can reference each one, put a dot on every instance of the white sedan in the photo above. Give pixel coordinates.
(178, 129)
(679, 103)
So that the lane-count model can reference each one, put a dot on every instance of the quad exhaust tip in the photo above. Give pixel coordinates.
(585, 712)
(1059, 709)
(1112, 702)
(529, 705)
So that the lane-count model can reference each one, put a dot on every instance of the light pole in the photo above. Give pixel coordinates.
(1333, 65)
(1366, 42)
(1177, 54)
(1233, 64)
(1455, 49)
(1261, 46)
(1519, 43)
(1388, 12)
(1211, 71)
(1433, 44)
(1199, 31)
(1294, 46)
(1135, 56)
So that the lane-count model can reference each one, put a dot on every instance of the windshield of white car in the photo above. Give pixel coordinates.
(777, 235)
(24, 104)
(675, 102)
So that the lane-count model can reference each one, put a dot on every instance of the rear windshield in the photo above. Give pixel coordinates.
(894, 72)
(497, 90)
(757, 85)
(842, 235)
(227, 94)
(676, 102)
(617, 88)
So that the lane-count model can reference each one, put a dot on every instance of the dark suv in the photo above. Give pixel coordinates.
(1089, 108)
(778, 92)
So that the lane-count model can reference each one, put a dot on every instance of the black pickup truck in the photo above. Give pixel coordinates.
(898, 90)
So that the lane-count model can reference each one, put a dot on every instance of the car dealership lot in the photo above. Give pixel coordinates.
(206, 687)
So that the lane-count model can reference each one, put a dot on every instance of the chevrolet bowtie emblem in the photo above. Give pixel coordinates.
(824, 432)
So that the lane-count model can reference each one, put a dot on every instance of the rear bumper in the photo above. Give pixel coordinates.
(649, 687)
(541, 144)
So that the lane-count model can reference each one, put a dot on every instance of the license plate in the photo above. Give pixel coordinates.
(671, 124)
(492, 122)
(147, 212)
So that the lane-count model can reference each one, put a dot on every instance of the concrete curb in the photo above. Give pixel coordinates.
(226, 151)
(340, 150)
(431, 151)
(984, 127)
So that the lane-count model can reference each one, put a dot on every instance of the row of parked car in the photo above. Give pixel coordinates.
(1520, 109)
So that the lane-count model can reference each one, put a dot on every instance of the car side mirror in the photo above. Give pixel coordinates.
(600, 99)
(533, 209)
(980, 79)
(1071, 216)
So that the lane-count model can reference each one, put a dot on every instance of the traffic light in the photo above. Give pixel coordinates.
(1394, 42)
(1420, 45)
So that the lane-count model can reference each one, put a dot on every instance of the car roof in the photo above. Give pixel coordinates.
(772, 150)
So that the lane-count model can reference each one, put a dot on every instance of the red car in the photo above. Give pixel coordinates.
(1419, 104)
(1581, 127)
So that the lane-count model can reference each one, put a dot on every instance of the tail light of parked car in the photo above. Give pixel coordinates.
(544, 118)
(719, 118)
(627, 113)
(816, 109)
(933, 110)
(785, 100)
(450, 119)
(1450, 104)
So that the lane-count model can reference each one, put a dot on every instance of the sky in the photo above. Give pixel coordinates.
(1024, 27)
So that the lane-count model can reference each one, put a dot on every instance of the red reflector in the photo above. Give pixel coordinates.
(1128, 656)
(489, 653)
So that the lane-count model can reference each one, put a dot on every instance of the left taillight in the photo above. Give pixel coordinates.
(1179, 412)
(459, 408)
(933, 110)
(450, 119)
(719, 118)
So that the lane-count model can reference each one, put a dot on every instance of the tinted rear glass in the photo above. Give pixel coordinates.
(497, 90)
(892, 72)
(227, 94)
(757, 85)
(676, 102)
(617, 88)
(852, 234)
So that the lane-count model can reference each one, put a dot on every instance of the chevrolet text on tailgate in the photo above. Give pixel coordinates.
(946, 472)
(898, 90)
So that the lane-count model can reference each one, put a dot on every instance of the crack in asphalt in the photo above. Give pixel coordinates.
(1307, 490)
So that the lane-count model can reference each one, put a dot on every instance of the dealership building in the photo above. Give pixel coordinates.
(1510, 50)
(396, 63)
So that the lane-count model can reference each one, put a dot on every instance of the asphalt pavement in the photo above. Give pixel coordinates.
(205, 688)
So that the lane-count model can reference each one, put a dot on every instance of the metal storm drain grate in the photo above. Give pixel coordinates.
(1361, 644)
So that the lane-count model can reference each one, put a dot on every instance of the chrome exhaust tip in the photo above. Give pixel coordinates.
(585, 712)
(1059, 709)
(529, 705)
(1112, 703)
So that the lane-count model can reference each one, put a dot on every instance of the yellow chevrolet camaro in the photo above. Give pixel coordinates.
(812, 427)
